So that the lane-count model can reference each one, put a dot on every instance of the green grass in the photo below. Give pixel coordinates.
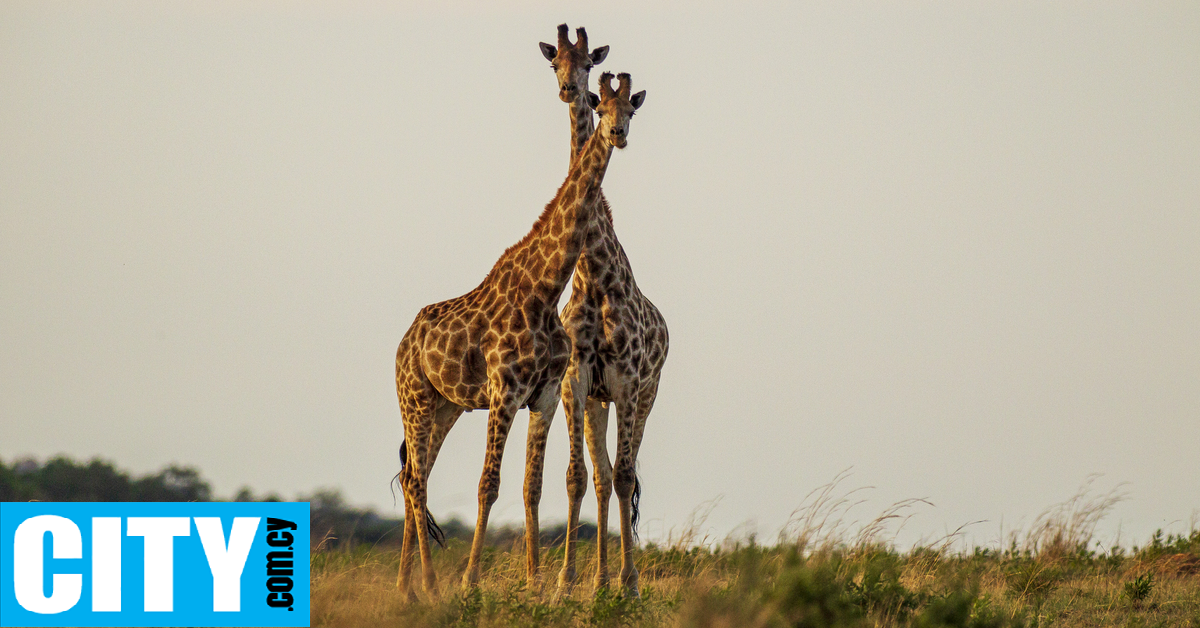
(782, 585)
(821, 573)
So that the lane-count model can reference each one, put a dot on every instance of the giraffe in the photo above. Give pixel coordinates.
(501, 347)
(619, 343)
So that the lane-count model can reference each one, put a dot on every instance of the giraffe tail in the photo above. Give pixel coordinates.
(634, 512)
(431, 524)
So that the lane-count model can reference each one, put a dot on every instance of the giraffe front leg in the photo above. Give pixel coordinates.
(573, 401)
(499, 421)
(595, 430)
(624, 479)
(535, 459)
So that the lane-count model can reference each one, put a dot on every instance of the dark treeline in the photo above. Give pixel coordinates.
(335, 524)
(61, 479)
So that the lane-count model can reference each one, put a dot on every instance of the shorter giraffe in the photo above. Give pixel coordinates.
(618, 346)
(501, 347)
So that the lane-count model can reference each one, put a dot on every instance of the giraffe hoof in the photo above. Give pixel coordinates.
(566, 583)
(470, 581)
(630, 583)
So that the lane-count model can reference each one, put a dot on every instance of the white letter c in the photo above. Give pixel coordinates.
(28, 570)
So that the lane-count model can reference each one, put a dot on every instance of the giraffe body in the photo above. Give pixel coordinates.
(499, 347)
(619, 343)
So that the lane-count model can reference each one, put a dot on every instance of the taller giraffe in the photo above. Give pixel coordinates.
(501, 347)
(619, 344)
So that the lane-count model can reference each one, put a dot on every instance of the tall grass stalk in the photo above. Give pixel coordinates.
(826, 570)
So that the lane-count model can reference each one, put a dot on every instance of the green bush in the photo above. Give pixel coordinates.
(1139, 589)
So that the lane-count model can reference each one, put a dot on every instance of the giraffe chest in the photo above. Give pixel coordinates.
(527, 353)
(608, 338)
(502, 356)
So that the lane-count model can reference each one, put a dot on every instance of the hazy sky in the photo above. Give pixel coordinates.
(953, 246)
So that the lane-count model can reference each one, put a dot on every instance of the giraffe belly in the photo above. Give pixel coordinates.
(471, 398)
(599, 388)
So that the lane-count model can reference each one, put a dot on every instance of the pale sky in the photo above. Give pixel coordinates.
(952, 246)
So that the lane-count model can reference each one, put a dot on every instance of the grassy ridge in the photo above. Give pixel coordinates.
(821, 573)
(783, 585)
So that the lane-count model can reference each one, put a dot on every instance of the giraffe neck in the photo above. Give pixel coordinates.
(547, 256)
(581, 123)
(582, 128)
(589, 170)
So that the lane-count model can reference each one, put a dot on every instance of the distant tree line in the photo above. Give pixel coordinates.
(61, 479)
(334, 523)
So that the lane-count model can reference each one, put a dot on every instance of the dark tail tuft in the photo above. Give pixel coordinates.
(633, 502)
(435, 531)
(392, 487)
(431, 525)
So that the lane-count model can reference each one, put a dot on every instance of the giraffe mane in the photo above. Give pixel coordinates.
(607, 209)
(537, 227)
(538, 224)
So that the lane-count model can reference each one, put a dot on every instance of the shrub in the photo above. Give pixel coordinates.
(1139, 589)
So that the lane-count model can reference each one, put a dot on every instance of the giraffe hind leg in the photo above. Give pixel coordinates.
(431, 525)
(443, 419)
(596, 432)
(623, 485)
(407, 552)
(644, 405)
(573, 399)
(418, 413)
(540, 418)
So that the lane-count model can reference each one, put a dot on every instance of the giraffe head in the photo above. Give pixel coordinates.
(616, 108)
(572, 62)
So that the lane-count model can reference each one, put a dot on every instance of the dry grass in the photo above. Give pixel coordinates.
(823, 521)
(749, 587)
(1070, 526)
(827, 569)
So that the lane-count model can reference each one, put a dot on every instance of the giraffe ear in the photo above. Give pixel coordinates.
(548, 51)
(599, 55)
(637, 99)
(593, 100)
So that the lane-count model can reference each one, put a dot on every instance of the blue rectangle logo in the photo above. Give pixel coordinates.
(154, 564)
